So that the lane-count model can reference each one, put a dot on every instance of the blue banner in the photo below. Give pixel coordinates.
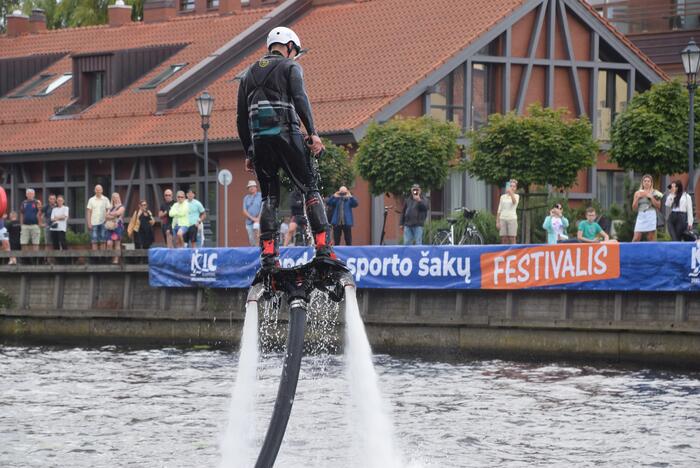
(663, 266)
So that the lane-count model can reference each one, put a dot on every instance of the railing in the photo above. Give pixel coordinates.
(74, 260)
(643, 16)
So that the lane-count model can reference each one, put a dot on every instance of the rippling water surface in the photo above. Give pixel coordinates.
(113, 407)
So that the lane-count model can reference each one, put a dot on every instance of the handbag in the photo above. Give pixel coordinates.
(110, 225)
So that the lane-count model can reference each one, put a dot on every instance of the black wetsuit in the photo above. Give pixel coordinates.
(272, 104)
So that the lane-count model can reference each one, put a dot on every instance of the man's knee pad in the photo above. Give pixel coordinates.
(316, 211)
(268, 218)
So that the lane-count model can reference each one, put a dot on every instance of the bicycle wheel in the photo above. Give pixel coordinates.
(442, 237)
(472, 237)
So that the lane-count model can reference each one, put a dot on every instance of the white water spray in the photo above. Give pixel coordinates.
(238, 440)
(374, 424)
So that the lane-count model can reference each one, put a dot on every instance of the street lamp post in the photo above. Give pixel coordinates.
(205, 104)
(691, 60)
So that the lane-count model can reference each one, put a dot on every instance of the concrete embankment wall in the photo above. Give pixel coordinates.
(100, 304)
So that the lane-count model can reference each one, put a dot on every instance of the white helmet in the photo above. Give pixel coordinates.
(282, 35)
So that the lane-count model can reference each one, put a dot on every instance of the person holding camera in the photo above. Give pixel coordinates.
(681, 218)
(415, 210)
(556, 225)
(507, 213)
(342, 202)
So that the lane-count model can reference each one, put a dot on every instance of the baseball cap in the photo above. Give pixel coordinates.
(415, 186)
(251, 183)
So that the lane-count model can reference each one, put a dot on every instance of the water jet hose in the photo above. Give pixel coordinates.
(288, 385)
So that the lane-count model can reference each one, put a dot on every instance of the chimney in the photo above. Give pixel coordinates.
(226, 7)
(200, 7)
(37, 21)
(119, 14)
(17, 24)
(159, 10)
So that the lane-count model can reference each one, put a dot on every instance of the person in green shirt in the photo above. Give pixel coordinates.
(196, 215)
(589, 230)
(180, 212)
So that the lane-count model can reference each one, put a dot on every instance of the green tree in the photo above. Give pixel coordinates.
(74, 13)
(651, 135)
(543, 147)
(394, 155)
(6, 8)
(334, 167)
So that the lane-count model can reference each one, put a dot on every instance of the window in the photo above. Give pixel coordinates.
(482, 95)
(96, 87)
(164, 75)
(186, 5)
(55, 84)
(212, 4)
(612, 99)
(611, 188)
(447, 98)
(26, 90)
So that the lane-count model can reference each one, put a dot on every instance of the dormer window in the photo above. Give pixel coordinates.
(55, 84)
(26, 90)
(164, 75)
(102, 74)
(96, 87)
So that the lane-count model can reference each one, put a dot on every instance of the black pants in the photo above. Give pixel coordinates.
(677, 225)
(346, 231)
(289, 152)
(58, 239)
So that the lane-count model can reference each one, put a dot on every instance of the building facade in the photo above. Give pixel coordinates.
(115, 104)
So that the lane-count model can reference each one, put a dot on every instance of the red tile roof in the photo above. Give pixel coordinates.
(393, 44)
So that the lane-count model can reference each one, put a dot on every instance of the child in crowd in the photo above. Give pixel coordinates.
(14, 230)
(4, 235)
(284, 229)
(556, 225)
(589, 230)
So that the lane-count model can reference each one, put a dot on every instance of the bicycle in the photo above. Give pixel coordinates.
(470, 236)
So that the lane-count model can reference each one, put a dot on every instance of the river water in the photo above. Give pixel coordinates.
(119, 407)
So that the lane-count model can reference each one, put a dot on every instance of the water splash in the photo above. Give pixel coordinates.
(372, 419)
(238, 440)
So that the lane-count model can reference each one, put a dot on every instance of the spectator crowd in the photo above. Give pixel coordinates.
(181, 217)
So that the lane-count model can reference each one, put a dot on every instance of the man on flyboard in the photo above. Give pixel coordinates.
(272, 104)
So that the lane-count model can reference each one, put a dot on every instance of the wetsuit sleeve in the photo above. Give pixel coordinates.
(242, 121)
(300, 98)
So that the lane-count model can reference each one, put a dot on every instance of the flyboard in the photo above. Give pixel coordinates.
(296, 284)
(3, 201)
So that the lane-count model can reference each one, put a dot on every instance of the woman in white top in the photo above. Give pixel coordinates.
(506, 216)
(681, 217)
(59, 224)
(646, 202)
(114, 224)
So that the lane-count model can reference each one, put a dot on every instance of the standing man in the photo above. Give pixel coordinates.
(252, 206)
(272, 105)
(166, 222)
(415, 210)
(342, 203)
(97, 208)
(30, 220)
(196, 215)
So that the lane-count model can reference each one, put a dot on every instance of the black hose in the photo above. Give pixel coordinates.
(287, 388)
